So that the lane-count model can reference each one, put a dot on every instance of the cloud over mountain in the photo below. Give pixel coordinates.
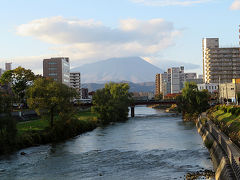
(89, 40)
(235, 5)
(170, 2)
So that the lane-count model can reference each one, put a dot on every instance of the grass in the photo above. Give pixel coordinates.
(41, 124)
(36, 125)
(231, 121)
(86, 115)
(228, 123)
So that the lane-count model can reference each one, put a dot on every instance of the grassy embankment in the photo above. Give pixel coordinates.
(39, 124)
(227, 118)
(38, 132)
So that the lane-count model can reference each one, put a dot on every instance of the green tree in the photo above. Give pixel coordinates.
(159, 96)
(19, 79)
(111, 103)
(192, 100)
(7, 122)
(48, 97)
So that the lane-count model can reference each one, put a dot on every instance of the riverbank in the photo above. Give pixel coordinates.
(224, 153)
(227, 119)
(37, 132)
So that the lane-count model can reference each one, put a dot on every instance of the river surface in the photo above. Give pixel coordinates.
(153, 145)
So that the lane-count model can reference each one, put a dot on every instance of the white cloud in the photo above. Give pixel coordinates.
(170, 2)
(235, 5)
(87, 41)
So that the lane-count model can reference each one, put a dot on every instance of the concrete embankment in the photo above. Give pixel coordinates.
(223, 152)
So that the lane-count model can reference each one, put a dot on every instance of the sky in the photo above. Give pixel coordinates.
(159, 31)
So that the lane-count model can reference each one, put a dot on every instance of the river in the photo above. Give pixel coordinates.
(153, 145)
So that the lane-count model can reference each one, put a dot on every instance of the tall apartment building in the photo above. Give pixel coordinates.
(75, 81)
(84, 93)
(162, 84)
(8, 66)
(172, 81)
(58, 69)
(1, 72)
(220, 65)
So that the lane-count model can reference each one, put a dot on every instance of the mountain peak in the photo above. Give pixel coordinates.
(133, 69)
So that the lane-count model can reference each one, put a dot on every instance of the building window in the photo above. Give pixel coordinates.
(232, 88)
(52, 69)
(52, 74)
(52, 63)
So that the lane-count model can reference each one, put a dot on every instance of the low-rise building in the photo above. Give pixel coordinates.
(228, 92)
(212, 87)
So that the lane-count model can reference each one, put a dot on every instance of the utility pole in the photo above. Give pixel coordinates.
(219, 95)
(226, 92)
(236, 92)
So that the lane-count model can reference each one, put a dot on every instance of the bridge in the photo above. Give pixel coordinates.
(142, 102)
(151, 102)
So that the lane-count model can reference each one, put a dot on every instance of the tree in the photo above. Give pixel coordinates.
(7, 123)
(159, 96)
(19, 79)
(192, 100)
(49, 97)
(111, 103)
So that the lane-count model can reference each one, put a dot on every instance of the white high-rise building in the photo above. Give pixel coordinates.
(75, 81)
(175, 79)
(172, 81)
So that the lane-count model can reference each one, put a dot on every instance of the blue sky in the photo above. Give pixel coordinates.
(88, 31)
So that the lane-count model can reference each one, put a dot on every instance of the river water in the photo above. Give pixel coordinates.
(153, 145)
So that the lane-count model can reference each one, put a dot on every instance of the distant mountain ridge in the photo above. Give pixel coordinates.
(133, 69)
(134, 87)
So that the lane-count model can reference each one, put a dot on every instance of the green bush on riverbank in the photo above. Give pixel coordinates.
(192, 102)
(227, 118)
(38, 131)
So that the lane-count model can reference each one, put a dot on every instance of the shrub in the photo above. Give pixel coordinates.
(208, 143)
(229, 109)
(237, 112)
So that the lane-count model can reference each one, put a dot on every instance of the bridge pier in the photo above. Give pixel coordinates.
(132, 111)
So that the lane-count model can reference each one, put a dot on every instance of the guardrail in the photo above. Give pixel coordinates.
(232, 151)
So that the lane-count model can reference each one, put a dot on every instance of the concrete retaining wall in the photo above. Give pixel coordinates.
(222, 163)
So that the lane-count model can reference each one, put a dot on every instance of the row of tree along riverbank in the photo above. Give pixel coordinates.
(59, 118)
